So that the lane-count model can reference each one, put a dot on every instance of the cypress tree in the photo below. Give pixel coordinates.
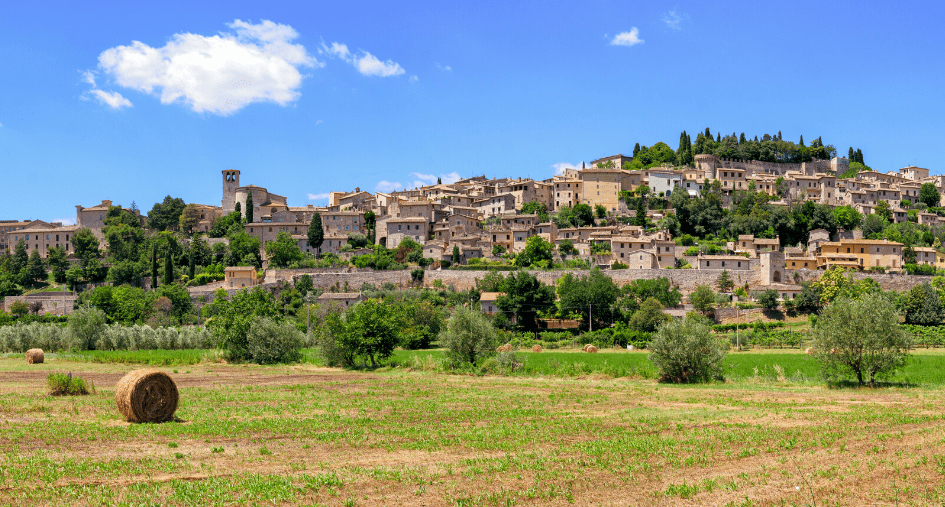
(859, 156)
(640, 218)
(708, 135)
(239, 212)
(192, 260)
(681, 151)
(249, 208)
(718, 138)
(850, 154)
(802, 141)
(636, 149)
(455, 255)
(741, 139)
(439, 181)
(756, 139)
(154, 267)
(316, 234)
(779, 135)
(168, 267)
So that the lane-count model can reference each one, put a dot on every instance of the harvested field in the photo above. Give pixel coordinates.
(251, 435)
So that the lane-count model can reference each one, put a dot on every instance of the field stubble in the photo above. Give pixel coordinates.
(311, 436)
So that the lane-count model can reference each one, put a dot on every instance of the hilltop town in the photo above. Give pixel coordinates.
(706, 213)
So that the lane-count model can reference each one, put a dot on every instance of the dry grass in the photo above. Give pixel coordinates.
(304, 435)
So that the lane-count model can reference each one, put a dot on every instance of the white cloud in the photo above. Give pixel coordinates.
(366, 63)
(414, 79)
(317, 197)
(218, 74)
(630, 38)
(388, 186)
(1, 124)
(672, 19)
(318, 122)
(110, 99)
(89, 77)
(444, 67)
(561, 166)
(63, 221)
(430, 179)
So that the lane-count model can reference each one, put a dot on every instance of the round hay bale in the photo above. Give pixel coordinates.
(34, 356)
(591, 349)
(146, 396)
(586, 345)
(536, 348)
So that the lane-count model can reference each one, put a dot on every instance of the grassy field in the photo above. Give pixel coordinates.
(304, 435)
(926, 367)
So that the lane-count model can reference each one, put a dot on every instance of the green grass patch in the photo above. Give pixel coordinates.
(62, 384)
(148, 357)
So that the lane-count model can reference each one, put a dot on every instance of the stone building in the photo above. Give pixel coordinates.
(860, 254)
(235, 277)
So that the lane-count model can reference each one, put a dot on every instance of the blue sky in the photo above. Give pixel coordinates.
(134, 102)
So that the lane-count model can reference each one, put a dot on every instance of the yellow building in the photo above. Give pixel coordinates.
(860, 254)
(239, 276)
(603, 186)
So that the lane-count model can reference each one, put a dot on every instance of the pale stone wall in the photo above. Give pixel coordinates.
(686, 279)
(53, 303)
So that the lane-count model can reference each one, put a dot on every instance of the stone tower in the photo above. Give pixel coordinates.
(772, 268)
(231, 181)
(708, 164)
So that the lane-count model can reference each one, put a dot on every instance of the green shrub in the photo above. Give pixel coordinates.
(685, 351)
(86, 326)
(62, 384)
(861, 338)
(270, 342)
(468, 337)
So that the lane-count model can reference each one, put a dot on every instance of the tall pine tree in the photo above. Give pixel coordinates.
(802, 141)
(249, 208)
(636, 149)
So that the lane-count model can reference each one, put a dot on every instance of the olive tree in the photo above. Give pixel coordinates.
(468, 337)
(686, 351)
(860, 337)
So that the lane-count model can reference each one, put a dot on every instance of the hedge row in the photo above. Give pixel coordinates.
(760, 326)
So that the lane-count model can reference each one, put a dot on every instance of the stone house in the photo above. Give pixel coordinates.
(343, 299)
(567, 192)
(638, 259)
(487, 302)
(495, 205)
(415, 228)
(729, 262)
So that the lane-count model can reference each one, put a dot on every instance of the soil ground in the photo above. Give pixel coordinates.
(301, 435)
